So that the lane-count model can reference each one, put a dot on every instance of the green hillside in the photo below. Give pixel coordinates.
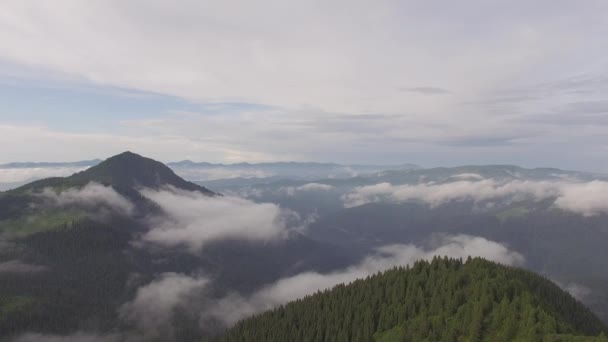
(442, 300)
(23, 212)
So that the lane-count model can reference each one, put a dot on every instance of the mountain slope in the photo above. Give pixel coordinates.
(445, 300)
(23, 211)
(123, 171)
(71, 267)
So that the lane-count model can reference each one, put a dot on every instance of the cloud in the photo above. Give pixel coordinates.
(18, 266)
(153, 307)
(426, 90)
(481, 140)
(470, 176)
(150, 315)
(585, 198)
(246, 192)
(235, 307)
(193, 219)
(336, 66)
(583, 113)
(588, 199)
(578, 291)
(92, 196)
(9, 186)
(214, 173)
(321, 86)
(20, 175)
(75, 337)
(315, 187)
(309, 187)
(437, 194)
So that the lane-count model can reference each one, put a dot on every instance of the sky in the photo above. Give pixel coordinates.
(383, 82)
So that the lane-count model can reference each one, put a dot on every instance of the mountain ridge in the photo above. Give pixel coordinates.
(126, 170)
(443, 299)
(187, 162)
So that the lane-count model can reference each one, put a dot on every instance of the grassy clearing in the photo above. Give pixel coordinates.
(15, 304)
(512, 213)
(42, 221)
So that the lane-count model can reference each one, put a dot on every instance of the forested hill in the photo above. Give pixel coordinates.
(442, 300)
(123, 171)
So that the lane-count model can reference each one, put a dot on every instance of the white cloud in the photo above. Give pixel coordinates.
(437, 194)
(585, 198)
(246, 192)
(193, 219)
(92, 196)
(235, 307)
(151, 312)
(73, 146)
(590, 198)
(18, 266)
(213, 173)
(578, 291)
(338, 64)
(17, 175)
(153, 306)
(470, 176)
(75, 337)
(325, 84)
(309, 187)
(315, 187)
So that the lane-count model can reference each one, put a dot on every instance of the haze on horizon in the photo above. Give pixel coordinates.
(354, 82)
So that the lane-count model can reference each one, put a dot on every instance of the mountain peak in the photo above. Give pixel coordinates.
(126, 170)
(128, 159)
(130, 169)
(126, 154)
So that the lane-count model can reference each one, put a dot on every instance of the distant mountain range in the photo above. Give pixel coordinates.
(27, 165)
(97, 250)
(15, 174)
(293, 166)
(289, 170)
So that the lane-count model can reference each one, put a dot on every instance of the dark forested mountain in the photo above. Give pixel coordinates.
(71, 254)
(442, 300)
(126, 170)
(66, 259)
